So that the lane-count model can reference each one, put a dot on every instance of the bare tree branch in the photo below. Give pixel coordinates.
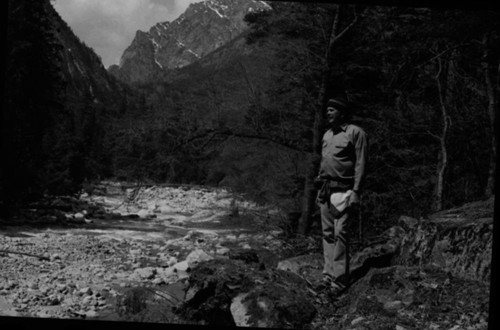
(211, 133)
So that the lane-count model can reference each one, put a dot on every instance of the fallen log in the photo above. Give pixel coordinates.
(26, 254)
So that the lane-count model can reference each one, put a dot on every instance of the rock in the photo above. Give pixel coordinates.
(91, 314)
(385, 294)
(458, 240)
(357, 320)
(222, 251)
(45, 290)
(197, 256)
(61, 287)
(143, 214)
(85, 291)
(53, 300)
(55, 256)
(304, 264)
(393, 305)
(166, 209)
(239, 311)
(158, 281)
(273, 306)
(172, 261)
(407, 223)
(166, 274)
(231, 237)
(193, 235)
(79, 216)
(247, 256)
(382, 253)
(87, 300)
(146, 273)
(223, 292)
(181, 269)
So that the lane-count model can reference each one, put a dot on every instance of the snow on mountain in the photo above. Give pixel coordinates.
(202, 28)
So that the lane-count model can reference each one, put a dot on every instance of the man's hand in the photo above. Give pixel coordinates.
(353, 198)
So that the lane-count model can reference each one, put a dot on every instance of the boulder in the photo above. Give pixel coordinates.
(146, 273)
(309, 266)
(413, 298)
(273, 305)
(182, 269)
(225, 292)
(197, 256)
(263, 258)
(382, 253)
(166, 274)
(143, 214)
(166, 209)
(457, 240)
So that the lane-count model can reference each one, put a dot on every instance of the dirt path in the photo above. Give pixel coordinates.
(88, 268)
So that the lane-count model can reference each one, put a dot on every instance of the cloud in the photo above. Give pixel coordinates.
(108, 26)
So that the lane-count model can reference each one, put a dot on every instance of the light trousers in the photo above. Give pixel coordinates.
(335, 242)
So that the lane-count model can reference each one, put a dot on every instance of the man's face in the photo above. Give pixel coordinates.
(334, 115)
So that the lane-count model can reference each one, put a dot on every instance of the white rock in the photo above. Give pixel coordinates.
(222, 251)
(239, 311)
(87, 300)
(90, 314)
(79, 216)
(146, 273)
(182, 266)
(172, 261)
(55, 256)
(166, 209)
(231, 237)
(357, 320)
(197, 256)
(143, 214)
(166, 273)
(85, 291)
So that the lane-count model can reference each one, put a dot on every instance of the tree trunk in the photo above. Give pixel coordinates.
(313, 162)
(443, 154)
(318, 125)
(492, 92)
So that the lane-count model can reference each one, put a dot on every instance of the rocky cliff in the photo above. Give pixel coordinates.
(201, 29)
(83, 73)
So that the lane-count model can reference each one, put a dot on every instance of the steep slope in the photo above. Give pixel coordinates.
(59, 100)
(82, 69)
(202, 28)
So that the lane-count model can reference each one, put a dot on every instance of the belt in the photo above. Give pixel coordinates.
(330, 186)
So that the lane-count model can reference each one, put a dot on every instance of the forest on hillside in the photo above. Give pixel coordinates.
(425, 84)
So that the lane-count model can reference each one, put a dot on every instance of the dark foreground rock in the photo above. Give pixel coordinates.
(402, 297)
(232, 292)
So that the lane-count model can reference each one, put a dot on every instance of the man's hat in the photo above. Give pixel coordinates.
(338, 103)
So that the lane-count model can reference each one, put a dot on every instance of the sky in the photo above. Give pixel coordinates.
(109, 26)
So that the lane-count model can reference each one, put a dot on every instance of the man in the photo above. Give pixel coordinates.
(342, 172)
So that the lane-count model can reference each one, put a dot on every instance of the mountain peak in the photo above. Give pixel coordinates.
(202, 28)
